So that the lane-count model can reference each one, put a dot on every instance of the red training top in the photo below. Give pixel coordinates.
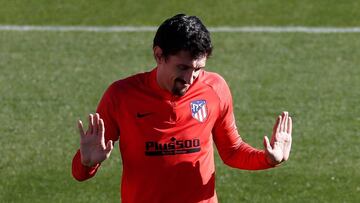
(166, 142)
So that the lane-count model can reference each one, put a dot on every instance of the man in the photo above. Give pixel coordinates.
(167, 120)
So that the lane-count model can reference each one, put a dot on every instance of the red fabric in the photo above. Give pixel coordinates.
(81, 172)
(167, 151)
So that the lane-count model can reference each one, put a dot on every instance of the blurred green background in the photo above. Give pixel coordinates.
(153, 12)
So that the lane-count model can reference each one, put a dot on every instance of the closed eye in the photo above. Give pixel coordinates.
(183, 67)
(197, 69)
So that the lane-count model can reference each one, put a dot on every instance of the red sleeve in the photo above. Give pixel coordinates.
(232, 149)
(81, 172)
(106, 109)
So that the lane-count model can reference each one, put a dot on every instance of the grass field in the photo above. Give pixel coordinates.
(49, 80)
(152, 12)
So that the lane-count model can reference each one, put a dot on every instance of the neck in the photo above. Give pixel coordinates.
(159, 81)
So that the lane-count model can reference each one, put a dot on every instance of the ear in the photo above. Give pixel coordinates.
(158, 55)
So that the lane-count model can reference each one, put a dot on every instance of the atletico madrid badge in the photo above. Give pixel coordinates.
(199, 110)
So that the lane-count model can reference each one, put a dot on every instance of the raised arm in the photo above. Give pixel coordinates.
(237, 153)
(93, 150)
(96, 144)
(278, 150)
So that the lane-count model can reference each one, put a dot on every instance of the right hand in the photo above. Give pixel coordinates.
(92, 142)
(278, 150)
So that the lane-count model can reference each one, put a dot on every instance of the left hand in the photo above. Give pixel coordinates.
(278, 150)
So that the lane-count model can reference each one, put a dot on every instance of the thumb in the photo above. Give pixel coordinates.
(267, 145)
(109, 147)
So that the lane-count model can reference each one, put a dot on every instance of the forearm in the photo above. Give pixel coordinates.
(81, 172)
(245, 157)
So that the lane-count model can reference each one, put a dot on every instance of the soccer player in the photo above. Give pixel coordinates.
(167, 120)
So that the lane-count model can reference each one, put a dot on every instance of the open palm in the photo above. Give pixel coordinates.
(278, 149)
(92, 142)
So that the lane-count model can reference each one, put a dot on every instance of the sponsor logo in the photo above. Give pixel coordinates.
(173, 147)
(142, 115)
(199, 110)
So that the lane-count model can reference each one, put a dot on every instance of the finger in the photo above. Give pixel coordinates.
(96, 123)
(276, 124)
(91, 124)
(109, 148)
(279, 125)
(275, 128)
(109, 145)
(286, 121)
(290, 126)
(275, 138)
(282, 127)
(287, 149)
(267, 145)
(101, 132)
(282, 121)
(81, 128)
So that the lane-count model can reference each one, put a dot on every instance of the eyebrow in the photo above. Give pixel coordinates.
(184, 65)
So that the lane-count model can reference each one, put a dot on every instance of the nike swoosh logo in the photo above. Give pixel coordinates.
(142, 115)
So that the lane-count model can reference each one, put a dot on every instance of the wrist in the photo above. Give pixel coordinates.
(270, 161)
(87, 163)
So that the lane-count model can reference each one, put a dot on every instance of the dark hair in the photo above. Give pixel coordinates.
(183, 33)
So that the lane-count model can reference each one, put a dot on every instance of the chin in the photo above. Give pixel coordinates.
(179, 92)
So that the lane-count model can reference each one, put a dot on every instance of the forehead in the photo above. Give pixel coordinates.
(184, 57)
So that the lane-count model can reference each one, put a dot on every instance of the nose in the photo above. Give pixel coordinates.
(189, 76)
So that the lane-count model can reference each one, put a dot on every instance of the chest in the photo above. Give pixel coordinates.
(160, 126)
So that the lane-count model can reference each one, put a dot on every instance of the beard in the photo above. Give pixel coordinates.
(179, 88)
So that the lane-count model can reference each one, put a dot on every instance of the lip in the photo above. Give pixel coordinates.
(184, 86)
(182, 83)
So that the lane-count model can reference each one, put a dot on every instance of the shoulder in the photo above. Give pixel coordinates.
(129, 84)
(216, 82)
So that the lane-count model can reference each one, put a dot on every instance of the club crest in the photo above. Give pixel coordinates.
(199, 110)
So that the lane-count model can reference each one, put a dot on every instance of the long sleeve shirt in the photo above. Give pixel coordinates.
(166, 142)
